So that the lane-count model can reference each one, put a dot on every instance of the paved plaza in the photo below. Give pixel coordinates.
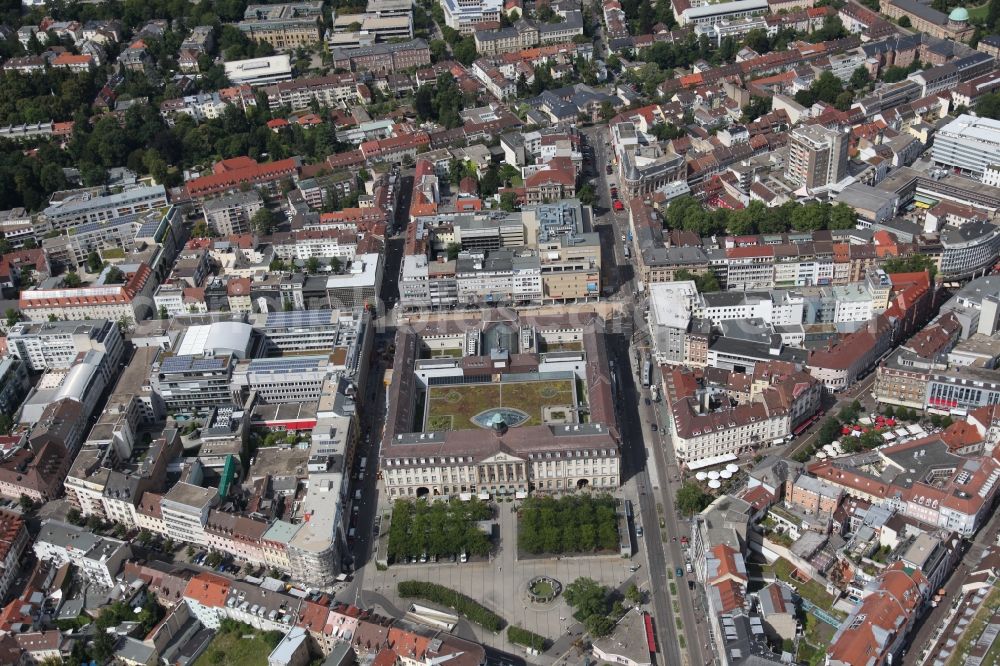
(501, 584)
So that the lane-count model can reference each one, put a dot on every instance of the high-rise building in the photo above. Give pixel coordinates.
(817, 157)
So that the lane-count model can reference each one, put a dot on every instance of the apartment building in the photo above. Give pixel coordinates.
(57, 344)
(231, 214)
(234, 174)
(336, 90)
(817, 157)
(283, 26)
(14, 540)
(129, 302)
(185, 509)
(98, 559)
(704, 429)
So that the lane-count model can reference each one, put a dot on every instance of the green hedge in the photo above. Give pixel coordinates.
(525, 637)
(439, 594)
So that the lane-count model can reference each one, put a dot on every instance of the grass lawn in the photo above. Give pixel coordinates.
(232, 648)
(452, 407)
(811, 590)
(812, 647)
(976, 13)
(542, 588)
(975, 628)
(572, 346)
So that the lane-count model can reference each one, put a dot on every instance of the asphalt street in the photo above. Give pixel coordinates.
(637, 421)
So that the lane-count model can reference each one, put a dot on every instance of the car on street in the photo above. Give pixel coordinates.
(618, 205)
(654, 427)
(679, 572)
(638, 531)
(610, 171)
(648, 402)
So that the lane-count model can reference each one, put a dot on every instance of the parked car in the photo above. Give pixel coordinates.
(638, 531)
(618, 205)
(654, 427)
(679, 572)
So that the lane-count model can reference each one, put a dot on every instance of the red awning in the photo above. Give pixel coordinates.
(650, 636)
(803, 426)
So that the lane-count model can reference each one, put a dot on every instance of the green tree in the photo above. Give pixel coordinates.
(508, 202)
(452, 251)
(607, 110)
(263, 221)
(842, 216)
(860, 78)
(988, 106)
(587, 597)
(904, 22)
(633, 594)
(114, 276)
(691, 499)
(757, 107)
(465, 51)
(312, 265)
(336, 264)
(13, 316)
(71, 280)
(587, 195)
(94, 263)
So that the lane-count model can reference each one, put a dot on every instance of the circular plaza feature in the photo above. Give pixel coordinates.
(543, 589)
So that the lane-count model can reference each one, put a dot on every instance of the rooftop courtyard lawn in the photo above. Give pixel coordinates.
(452, 407)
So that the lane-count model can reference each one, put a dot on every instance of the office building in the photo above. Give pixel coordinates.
(534, 441)
(463, 15)
(189, 383)
(817, 157)
(281, 380)
(358, 286)
(259, 71)
(968, 144)
(76, 208)
(317, 331)
(284, 26)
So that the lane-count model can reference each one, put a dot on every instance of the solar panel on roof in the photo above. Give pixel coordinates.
(299, 318)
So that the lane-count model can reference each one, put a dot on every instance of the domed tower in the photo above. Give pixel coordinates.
(958, 18)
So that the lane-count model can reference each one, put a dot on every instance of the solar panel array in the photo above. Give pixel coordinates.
(299, 318)
(289, 364)
(191, 364)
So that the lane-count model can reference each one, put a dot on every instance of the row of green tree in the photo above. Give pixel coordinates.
(526, 638)
(571, 524)
(687, 213)
(439, 594)
(437, 528)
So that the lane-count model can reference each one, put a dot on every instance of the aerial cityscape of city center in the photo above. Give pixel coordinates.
(499, 333)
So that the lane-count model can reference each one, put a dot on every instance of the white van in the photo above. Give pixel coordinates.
(364, 463)
(464, 557)
(357, 495)
(351, 532)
